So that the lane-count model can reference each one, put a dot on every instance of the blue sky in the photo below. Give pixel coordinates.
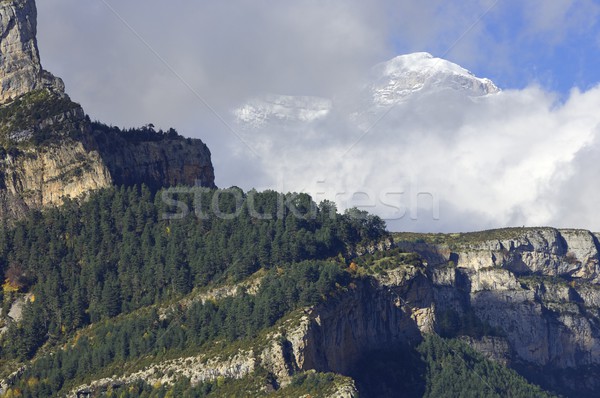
(558, 58)
(555, 43)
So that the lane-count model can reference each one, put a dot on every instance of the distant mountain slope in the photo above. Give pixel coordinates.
(117, 301)
(282, 109)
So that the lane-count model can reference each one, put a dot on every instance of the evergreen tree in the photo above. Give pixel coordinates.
(111, 297)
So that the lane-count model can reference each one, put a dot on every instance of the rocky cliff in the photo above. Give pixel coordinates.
(527, 298)
(157, 160)
(49, 149)
(538, 289)
(20, 67)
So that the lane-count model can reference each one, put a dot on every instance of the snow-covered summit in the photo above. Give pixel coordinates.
(404, 75)
(389, 83)
(419, 62)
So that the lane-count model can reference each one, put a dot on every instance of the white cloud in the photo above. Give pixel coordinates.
(516, 158)
(555, 20)
(491, 161)
(226, 51)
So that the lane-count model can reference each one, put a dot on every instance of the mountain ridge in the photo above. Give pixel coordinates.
(468, 287)
(407, 74)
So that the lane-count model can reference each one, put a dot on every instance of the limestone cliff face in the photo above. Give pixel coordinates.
(539, 287)
(157, 163)
(545, 326)
(49, 149)
(384, 312)
(20, 67)
(42, 177)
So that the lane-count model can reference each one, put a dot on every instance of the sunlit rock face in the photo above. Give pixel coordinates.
(20, 67)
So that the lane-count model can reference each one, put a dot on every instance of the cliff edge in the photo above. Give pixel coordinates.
(49, 148)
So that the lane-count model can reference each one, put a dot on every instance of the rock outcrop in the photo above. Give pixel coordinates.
(566, 253)
(20, 67)
(165, 162)
(50, 150)
(41, 177)
(539, 288)
(383, 312)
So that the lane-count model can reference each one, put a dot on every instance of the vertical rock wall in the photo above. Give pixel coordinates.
(20, 67)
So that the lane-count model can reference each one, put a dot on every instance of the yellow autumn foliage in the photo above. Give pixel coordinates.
(12, 393)
(9, 287)
(352, 268)
(32, 382)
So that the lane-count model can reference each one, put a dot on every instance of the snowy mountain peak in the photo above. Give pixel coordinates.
(419, 62)
(404, 75)
(392, 82)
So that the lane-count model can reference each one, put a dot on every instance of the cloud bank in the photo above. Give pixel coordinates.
(446, 161)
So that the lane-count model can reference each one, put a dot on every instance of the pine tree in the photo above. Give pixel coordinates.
(111, 299)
